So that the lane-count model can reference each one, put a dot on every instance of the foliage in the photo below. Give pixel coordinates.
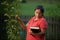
(9, 9)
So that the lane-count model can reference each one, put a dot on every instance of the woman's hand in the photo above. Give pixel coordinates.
(32, 33)
(18, 17)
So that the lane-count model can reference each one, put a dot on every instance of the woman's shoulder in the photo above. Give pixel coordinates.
(43, 19)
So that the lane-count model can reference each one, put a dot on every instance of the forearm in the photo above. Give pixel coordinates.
(22, 24)
(41, 33)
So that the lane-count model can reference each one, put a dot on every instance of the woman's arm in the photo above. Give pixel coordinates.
(42, 33)
(21, 23)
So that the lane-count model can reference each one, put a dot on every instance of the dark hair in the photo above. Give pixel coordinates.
(40, 7)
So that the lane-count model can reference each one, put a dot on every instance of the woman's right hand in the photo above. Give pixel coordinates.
(18, 17)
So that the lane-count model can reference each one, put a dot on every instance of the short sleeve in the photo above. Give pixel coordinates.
(43, 24)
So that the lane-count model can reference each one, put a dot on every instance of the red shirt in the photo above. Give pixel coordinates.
(41, 23)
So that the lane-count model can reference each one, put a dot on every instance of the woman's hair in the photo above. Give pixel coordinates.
(40, 7)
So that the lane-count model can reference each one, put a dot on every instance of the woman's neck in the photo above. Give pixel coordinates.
(36, 18)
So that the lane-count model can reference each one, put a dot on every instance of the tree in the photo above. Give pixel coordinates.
(9, 27)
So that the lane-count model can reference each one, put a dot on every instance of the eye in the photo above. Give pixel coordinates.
(37, 11)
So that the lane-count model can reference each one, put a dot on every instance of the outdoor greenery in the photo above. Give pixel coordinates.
(9, 25)
(51, 9)
(10, 28)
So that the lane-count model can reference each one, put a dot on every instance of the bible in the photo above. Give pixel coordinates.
(35, 29)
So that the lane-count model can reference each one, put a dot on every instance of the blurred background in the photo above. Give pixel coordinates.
(10, 29)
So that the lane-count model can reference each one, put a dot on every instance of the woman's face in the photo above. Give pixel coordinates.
(38, 13)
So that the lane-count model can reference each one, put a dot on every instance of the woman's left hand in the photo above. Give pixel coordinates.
(33, 33)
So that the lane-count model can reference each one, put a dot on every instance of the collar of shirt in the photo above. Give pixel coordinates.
(37, 19)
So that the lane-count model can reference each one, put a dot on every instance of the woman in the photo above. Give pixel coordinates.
(37, 21)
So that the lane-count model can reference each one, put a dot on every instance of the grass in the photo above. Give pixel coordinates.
(28, 8)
